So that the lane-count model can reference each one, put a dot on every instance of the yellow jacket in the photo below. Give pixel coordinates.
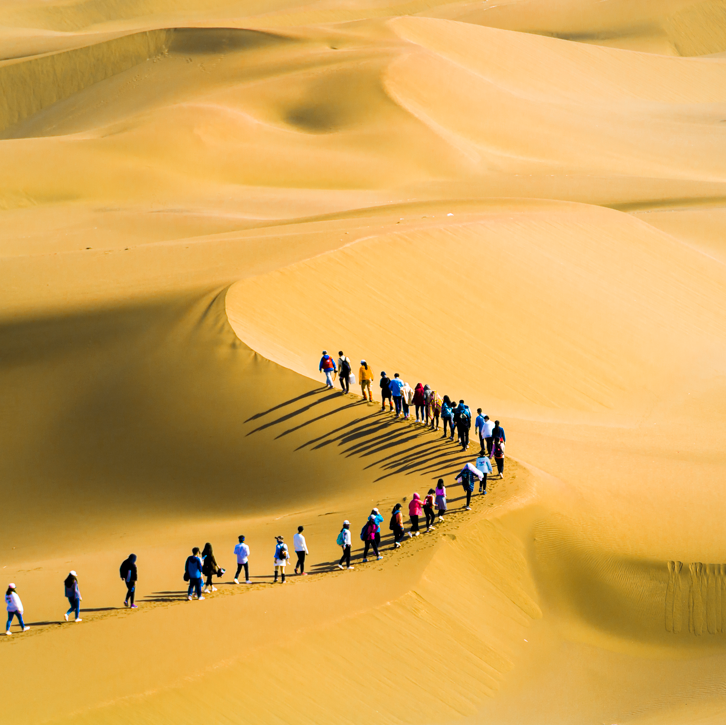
(365, 374)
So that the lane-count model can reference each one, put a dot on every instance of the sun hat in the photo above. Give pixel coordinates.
(11, 586)
(72, 573)
(377, 511)
(346, 522)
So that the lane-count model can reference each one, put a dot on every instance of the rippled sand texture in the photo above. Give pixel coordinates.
(519, 203)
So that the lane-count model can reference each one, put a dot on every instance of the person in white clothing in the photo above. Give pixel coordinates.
(15, 609)
(242, 552)
(345, 541)
(301, 549)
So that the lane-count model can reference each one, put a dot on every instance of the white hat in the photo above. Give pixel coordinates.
(346, 522)
(72, 573)
(362, 362)
(377, 511)
(11, 586)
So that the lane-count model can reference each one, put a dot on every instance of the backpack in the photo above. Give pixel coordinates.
(340, 541)
(394, 522)
(364, 532)
(345, 368)
(280, 553)
(124, 570)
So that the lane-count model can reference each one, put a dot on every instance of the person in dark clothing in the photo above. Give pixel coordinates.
(498, 432)
(447, 415)
(428, 509)
(466, 478)
(385, 384)
(210, 568)
(73, 594)
(463, 424)
(498, 454)
(129, 573)
(193, 574)
(344, 371)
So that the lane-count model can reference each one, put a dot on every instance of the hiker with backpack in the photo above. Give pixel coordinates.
(447, 415)
(396, 386)
(210, 568)
(129, 574)
(193, 574)
(419, 401)
(379, 521)
(485, 466)
(463, 424)
(327, 366)
(242, 552)
(365, 377)
(414, 511)
(344, 370)
(73, 594)
(396, 526)
(15, 609)
(301, 550)
(368, 536)
(441, 498)
(466, 478)
(282, 556)
(385, 385)
(345, 541)
(406, 399)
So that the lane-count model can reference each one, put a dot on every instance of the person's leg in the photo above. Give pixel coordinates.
(236, 574)
(342, 558)
(489, 441)
(375, 548)
(77, 608)
(277, 572)
(21, 622)
(347, 555)
(414, 523)
(329, 378)
(468, 498)
(190, 588)
(282, 572)
(406, 408)
(247, 571)
(378, 538)
(10, 620)
(365, 549)
(482, 449)
(130, 592)
(198, 586)
(500, 466)
(484, 483)
(301, 561)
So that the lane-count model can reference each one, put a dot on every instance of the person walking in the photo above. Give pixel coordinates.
(242, 552)
(345, 368)
(282, 556)
(385, 384)
(498, 432)
(428, 509)
(498, 453)
(301, 549)
(130, 574)
(486, 433)
(15, 609)
(419, 401)
(365, 375)
(193, 574)
(479, 428)
(379, 521)
(73, 594)
(396, 387)
(441, 498)
(414, 511)
(466, 478)
(396, 526)
(463, 424)
(484, 465)
(406, 399)
(370, 532)
(447, 415)
(427, 402)
(345, 541)
(210, 568)
(327, 366)
(434, 409)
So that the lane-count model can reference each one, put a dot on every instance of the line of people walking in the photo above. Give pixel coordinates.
(430, 408)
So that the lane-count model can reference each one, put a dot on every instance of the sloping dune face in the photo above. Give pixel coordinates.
(519, 204)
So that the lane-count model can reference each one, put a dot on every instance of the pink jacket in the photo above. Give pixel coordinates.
(414, 506)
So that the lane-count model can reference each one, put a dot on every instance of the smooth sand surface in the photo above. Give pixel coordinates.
(520, 204)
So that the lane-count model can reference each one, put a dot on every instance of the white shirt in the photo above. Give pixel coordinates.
(347, 540)
(487, 428)
(13, 602)
(242, 551)
(299, 542)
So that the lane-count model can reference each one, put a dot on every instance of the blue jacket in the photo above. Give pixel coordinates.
(194, 567)
(446, 411)
(498, 432)
(395, 386)
(479, 423)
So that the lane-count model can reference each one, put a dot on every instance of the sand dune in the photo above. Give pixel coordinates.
(520, 204)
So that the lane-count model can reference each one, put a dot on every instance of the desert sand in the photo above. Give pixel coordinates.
(522, 204)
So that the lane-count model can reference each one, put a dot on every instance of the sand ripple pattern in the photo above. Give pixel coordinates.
(700, 590)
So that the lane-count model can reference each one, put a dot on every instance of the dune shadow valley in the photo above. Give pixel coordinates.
(265, 265)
